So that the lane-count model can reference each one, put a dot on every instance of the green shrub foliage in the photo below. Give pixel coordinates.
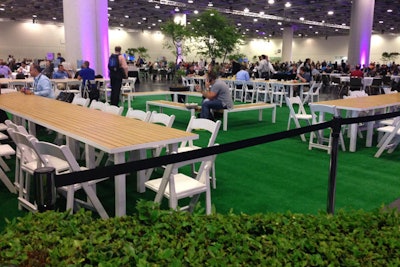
(155, 237)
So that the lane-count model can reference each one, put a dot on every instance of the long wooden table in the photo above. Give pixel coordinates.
(361, 104)
(96, 129)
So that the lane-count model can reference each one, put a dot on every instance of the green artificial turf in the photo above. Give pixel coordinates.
(273, 177)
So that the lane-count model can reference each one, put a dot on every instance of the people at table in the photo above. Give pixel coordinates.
(24, 69)
(243, 74)
(116, 77)
(303, 75)
(49, 69)
(42, 85)
(61, 73)
(86, 73)
(5, 71)
(190, 71)
(216, 96)
(357, 72)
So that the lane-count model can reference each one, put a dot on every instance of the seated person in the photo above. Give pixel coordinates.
(42, 85)
(61, 73)
(5, 71)
(243, 74)
(304, 77)
(218, 97)
(357, 72)
(86, 74)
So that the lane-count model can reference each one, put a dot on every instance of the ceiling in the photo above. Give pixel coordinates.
(143, 15)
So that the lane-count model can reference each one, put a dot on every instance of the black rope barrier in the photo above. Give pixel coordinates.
(134, 166)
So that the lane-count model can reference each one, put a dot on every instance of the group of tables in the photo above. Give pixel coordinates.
(112, 134)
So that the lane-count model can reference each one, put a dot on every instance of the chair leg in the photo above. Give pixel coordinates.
(7, 182)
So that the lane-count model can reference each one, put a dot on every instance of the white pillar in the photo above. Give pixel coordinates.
(362, 16)
(287, 44)
(86, 33)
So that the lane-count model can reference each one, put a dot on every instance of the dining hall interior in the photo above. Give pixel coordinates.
(289, 174)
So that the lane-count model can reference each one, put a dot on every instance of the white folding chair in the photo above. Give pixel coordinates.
(63, 153)
(80, 101)
(97, 105)
(138, 114)
(176, 186)
(30, 161)
(319, 139)
(313, 92)
(162, 119)
(278, 92)
(238, 90)
(301, 113)
(73, 87)
(6, 151)
(390, 139)
(249, 92)
(113, 109)
(207, 125)
(262, 91)
(128, 86)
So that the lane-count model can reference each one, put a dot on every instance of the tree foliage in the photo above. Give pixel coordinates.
(177, 33)
(217, 37)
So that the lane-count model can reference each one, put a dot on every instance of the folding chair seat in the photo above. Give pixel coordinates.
(318, 139)
(301, 113)
(355, 84)
(375, 87)
(337, 85)
(97, 105)
(204, 125)
(390, 139)
(73, 87)
(176, 186)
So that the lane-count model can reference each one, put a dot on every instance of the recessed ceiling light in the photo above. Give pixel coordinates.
(271, 2)
(34, 16)
(316, 32)
(262, 13)
(389, 10)
(54, 18)
(381, 21)
(157, 6)
(190, 1)
(288, 4)
(144, 18)
(330, 12)
(122, 25)
(310, 27)
(279, 23)
(302, 18)
(255, 20)
(239, 24)
(392, 28)
(109, 8)
(176, 9)
(210, 4)
(127, 16)
(196, 12)
(246, 10)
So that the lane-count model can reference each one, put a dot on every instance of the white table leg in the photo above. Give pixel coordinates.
(353, 133)
(370, 131)
(120, 187)
(31, 127)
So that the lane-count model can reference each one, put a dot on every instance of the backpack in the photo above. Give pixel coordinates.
(113, 63)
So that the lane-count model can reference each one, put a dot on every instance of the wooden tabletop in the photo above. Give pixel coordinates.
(108, 132)
(364, 103)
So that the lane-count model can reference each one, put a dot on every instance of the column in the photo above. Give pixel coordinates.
(362, 16)
(86, 33)
(287, 44)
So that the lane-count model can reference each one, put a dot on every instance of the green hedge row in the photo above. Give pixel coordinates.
(154, 237)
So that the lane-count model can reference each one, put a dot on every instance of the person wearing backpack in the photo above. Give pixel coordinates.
(118, 70)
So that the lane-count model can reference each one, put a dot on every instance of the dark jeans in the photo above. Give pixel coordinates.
(116, 83)
(207, 105)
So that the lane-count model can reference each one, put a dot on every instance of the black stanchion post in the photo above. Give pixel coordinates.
(45, 190)
(336, 126)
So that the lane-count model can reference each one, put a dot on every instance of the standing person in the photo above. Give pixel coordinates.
(266, 67)
(42, 85)
(60, 58)
(118, 71)
(218, 97)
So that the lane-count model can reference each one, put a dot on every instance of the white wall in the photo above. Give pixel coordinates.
(35, 40)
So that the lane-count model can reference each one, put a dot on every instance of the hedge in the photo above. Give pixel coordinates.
(154, 237)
